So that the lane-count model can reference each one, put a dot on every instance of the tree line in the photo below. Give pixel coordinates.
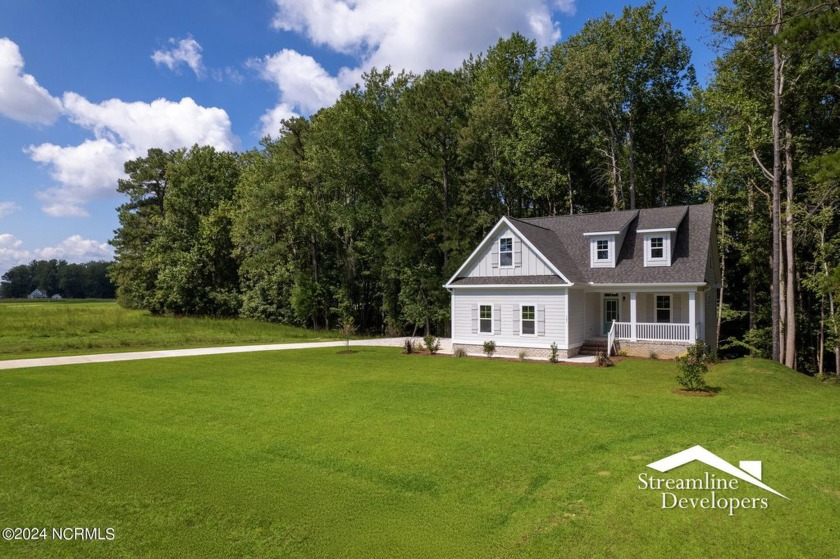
(359, 213)
(76, 281)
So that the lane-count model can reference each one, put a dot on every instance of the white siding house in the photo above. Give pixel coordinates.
(642, 281)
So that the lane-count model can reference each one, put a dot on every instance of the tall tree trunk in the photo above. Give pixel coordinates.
(777, 181)
(631, 163)
(821, 344)
(571, 193)
(722, 277)
(614, 176)
(751, 296)
(782, 307)
(790, 262)
(836, 334)
(834, 322)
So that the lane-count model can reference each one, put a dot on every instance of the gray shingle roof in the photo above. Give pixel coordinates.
(560, 239)
(661, 218)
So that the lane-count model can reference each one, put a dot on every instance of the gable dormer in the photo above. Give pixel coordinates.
(658, 231)
(603, 248)
(658, 246)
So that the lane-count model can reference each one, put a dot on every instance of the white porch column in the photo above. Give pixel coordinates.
(701, 316)
(632, 316)
(692, 315)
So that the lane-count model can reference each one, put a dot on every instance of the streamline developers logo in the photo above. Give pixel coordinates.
(748, 471)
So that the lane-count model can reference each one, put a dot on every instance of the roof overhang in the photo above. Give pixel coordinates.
(509, 285)
(601, 233)
(660, 230)
(647, 287)
(505, 221)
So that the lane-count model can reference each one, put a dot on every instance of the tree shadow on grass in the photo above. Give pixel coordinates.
(708, 392)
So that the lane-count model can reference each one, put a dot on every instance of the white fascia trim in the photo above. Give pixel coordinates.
(524, 239)
(661, 230)
(647, 285)
(476, 251)
(514, 285)
(600, 233)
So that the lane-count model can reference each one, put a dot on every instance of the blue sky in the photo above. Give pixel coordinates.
(86, 85)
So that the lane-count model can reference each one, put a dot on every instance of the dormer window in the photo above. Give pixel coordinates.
(658, 249)
(506, 252)
(602, 249)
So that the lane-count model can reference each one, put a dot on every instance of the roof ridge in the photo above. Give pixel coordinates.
(526, 222)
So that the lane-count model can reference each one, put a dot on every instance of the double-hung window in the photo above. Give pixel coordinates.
(663, 308)
(529, 322)
(506, 251)
(657, 248)
(602, 250)
(485, 319)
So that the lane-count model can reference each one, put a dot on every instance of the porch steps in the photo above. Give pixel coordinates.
(593, 346)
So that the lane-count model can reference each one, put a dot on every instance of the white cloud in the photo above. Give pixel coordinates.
(186, 51)
(84, 173)
(76, 249)
(161, 123)
(414, 35)
(72, 249)
(12, 252)
(8, 208)
(403, 34)
(122, 131)
(21, 98)
(272, 119)
(303, 85)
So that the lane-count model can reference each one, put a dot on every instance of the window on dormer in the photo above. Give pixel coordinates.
(657, 247)
(602, 250)
(658, 250)
(506, 251)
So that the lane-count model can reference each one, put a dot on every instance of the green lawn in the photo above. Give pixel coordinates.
(68, 327)
(376, 454)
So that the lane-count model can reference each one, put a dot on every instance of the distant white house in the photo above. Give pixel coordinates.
(642, 281)
(57, 296)
(37, 294)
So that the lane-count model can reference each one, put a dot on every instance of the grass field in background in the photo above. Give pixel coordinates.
(68, 327)
(376, 454)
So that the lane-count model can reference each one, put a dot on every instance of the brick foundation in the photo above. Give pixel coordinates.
(663, 350)
(510, 351)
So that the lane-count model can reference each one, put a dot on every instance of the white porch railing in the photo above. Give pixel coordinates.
(611, 338)
(622, 330)
(654, 331)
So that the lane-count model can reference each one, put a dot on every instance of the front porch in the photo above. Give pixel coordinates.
(646, 321)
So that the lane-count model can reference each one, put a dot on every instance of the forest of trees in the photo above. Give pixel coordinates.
(75, 281)
(363, 210)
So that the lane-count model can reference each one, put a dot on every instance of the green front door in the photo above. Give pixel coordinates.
(610, 312)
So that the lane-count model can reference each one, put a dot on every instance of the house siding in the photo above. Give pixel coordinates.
(710, 300)
(577, 317)
(554, 301)
(531, 264)
(593, 311)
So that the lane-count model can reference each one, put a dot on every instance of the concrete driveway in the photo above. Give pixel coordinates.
(446, 347)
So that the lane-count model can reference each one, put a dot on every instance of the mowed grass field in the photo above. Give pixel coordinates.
(68, 327)
(376, 454)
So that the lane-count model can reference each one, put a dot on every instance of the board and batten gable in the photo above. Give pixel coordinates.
(525, 261)
(550, 304)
